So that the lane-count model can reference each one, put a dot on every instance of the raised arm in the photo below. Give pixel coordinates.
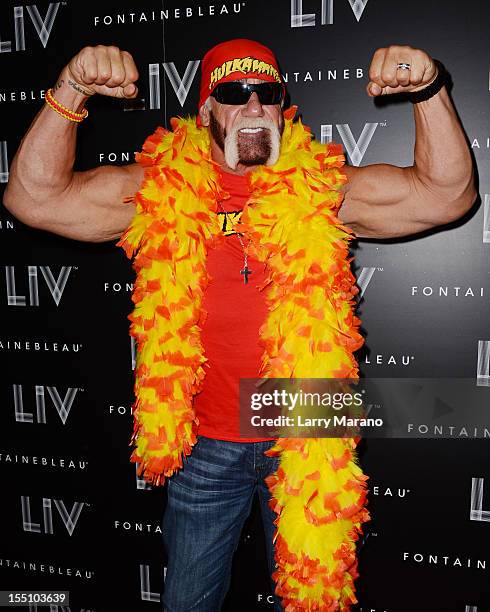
(43, 190)
(384, 201)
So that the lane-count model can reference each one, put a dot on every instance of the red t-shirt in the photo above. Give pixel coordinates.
(231, 331)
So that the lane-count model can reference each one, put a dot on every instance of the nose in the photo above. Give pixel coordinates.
(253, 108)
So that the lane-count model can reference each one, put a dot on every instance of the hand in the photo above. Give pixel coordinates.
(104, 70)
(385, 78)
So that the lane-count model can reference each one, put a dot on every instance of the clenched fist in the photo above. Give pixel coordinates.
(104, 70)
(387, 77)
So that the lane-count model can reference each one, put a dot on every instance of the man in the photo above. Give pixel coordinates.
(248, 187)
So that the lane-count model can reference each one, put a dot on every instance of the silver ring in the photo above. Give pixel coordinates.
(403, 66)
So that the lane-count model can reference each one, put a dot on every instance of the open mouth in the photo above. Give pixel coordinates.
(251, 130)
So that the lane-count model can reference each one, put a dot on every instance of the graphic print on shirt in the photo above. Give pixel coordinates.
(231, 219)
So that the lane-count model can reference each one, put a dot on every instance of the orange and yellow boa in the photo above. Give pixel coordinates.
(318, 490)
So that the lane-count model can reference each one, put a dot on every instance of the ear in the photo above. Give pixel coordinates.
(204, 115)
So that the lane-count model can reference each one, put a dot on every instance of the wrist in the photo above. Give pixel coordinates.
(69, 93)
(440, 79)
(422, 87)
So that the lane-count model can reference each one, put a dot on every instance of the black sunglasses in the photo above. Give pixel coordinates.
(236, 92)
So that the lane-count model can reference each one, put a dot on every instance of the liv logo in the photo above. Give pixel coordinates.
(55, 286)
(140, 481)
(4, 162)
(355, 149)
(364, 278)
(69, 519)
(476, 508)
(146, 592)
(483, 364)
(180, 85)
(133, 353)
(63, 406)
(42, 26)
(54, 608)
(301, 20)
(486, 218)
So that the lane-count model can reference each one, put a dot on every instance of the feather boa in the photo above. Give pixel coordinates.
(318, 491)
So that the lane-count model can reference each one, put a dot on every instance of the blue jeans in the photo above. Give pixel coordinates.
(208, 502)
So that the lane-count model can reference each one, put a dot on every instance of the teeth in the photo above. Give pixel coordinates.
(251, 130)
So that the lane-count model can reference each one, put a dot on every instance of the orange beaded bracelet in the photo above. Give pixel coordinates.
(65, 112)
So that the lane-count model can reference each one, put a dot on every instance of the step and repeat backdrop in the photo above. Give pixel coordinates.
(74, 514)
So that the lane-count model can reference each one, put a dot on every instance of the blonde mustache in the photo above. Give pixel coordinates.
(232, 156)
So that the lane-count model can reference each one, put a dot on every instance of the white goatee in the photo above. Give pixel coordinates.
(232, 154)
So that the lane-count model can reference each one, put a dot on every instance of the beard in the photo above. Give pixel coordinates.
(248, 149)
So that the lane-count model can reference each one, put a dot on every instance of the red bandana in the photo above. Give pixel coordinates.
(233, 60)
